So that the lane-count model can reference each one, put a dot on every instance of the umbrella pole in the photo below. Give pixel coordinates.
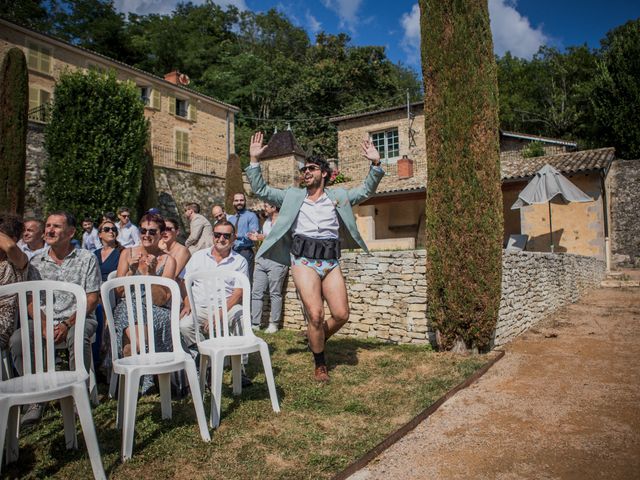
(550, 227)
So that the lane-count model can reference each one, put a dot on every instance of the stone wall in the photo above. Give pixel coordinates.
(624, 194)
(387, 293)
(535, 284)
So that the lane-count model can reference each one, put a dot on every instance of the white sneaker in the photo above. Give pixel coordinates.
(272, 328)
(255, 328)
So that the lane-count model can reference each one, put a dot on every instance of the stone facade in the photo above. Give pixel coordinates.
(536, 284)
(624, 188)
(199, 138)
(387, 293)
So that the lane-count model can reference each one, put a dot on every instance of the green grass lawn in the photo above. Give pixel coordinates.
(375, 388)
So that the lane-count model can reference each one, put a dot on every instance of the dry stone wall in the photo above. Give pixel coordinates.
(387, 293)
(535, 284)
(624, 185)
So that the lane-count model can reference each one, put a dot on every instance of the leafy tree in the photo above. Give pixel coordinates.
(96, 144)
(464, 201)
(533, 149)
(14, 105)
(37, 14)
(616, 90)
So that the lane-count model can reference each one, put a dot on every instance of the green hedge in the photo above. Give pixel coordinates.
(96, 145)
(464, 200)
(14, 106)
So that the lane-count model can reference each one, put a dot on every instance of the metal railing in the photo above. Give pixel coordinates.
(41, 114)
(170, 158)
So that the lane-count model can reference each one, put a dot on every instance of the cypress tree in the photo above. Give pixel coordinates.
(464, 200)
(233, 183)
(14, 106)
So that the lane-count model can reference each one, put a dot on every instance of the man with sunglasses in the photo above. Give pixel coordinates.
(313, 223)
(220, 257)
(128, 233)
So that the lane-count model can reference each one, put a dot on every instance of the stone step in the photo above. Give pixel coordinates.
(619, 283)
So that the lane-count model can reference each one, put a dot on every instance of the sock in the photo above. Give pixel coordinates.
(319, 359)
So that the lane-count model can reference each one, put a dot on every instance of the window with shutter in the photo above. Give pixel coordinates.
(193, 112)
(182, 147)
(39, 58)
(172, 105)
(156, 99)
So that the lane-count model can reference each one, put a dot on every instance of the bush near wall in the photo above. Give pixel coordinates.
(464, 201)
(14, 106)
(96, 145)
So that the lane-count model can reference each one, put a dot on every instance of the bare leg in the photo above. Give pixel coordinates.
(334, 290)
(309, 285)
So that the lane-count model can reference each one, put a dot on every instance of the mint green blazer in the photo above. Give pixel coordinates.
(277, 245)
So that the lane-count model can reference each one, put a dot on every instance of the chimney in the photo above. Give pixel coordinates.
(172, 77)
(405, 167)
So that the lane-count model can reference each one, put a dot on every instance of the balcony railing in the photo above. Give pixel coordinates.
(167, 157)
(41, 114)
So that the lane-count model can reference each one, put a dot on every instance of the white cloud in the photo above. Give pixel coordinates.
(411, 39)
(512, 31)
(143, 7)
(347, 11)
(313, 24)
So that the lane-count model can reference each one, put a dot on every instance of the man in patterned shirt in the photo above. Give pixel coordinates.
(64, 263)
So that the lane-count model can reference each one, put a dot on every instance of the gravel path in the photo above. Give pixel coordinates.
(563, 403)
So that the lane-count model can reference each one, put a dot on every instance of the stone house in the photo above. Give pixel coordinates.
(192, 134)
(394, 217)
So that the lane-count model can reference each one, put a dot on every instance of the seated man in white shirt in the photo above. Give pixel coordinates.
(32, 241)
(90, 239)
(222, 257)
(128, 233)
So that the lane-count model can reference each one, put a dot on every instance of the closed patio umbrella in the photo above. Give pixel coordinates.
(544, 186)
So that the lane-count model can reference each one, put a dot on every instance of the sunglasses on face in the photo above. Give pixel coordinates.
(110, 229)
(125, 215)
(227, 236)
(149, 231)
(311, 168)
(170, 229)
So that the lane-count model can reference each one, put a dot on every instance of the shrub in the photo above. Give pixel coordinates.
(96, 144)
(464, 201)
(14, 106)
(533, 149)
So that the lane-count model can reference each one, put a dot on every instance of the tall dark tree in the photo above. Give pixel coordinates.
(616, 91)
(14, 105)
(464, 200)
(96, 145)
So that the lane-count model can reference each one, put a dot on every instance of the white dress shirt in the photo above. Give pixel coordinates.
(317, 219)
(91, 241)
(31, 253)
(203, 261)
(129, 235)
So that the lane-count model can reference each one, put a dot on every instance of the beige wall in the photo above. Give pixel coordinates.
(208, 136)
(352, 132)
(282, 172)
(577, 227)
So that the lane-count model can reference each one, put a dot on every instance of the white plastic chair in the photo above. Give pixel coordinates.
(221, 342)
(113, 381)
(147, 361)
(45, 383)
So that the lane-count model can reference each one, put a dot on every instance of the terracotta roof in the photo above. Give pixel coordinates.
(527, 136)
(374, 112)
(571, 162)
(134, 70)
(392, 184)
(282, 143)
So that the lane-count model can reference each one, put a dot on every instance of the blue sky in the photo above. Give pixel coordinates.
(519, 26)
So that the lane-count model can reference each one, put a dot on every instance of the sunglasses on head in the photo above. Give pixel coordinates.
(150, 231)
(227, 236)
(311, 168)
(110, 229)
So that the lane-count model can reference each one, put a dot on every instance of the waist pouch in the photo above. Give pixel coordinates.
(317, 249)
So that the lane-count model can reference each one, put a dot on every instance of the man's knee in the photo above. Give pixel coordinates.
(341, 316)
(315, 316)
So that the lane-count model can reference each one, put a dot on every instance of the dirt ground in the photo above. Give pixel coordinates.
(563, 403)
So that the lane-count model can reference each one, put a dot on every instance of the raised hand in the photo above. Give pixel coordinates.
(256, 147)
(370, 152)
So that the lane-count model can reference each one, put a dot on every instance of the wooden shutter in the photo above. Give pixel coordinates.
(34, 98)
(156, 99)
(182, 147)
(192, 112)
(172, 105)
